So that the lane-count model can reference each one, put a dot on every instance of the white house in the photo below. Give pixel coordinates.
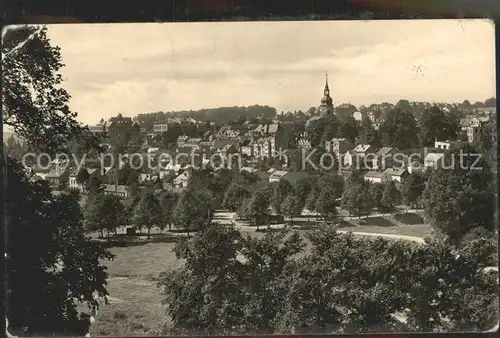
(248, 169)
(277, 175)
(433, 160)
(373, 177)
(72, 183)
(160, 127)
(396, 174)
(246, 150)
(122, 191)
(358, 116)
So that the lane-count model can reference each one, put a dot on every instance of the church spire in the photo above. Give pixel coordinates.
(326, 80)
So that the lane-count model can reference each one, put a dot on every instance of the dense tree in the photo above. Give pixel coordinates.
(390, 197)
(83, 176)
(368, 134)
(14, 148)
(34, 104)
(326, 204)
(435, 124)
(51, 266)
(295, 135)
(147, 212)
(234, 196)
(459, 196)
(193, 209)
(167, 202)
(349, 128)
(56, 267)
(258, 206)
(333, 182)
(235, 284)
(491, 102)
(356, 197)
(411, 192)
(399, 129)
(301, 188)
(103, 212)
(375, 193)
(312, 198)
(318, 130)
(292, 206)
(281, 189)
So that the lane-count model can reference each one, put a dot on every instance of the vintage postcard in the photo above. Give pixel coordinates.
(250, 178)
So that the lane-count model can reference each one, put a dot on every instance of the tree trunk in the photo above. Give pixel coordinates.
(149, 233)
(102, 233)
(169, 226)
(107, 230)
(116, 231)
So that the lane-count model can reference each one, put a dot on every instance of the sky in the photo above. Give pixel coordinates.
(148, 67)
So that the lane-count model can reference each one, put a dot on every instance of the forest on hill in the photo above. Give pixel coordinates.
(218, 115)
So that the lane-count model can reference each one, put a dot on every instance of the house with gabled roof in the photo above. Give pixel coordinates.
(181, 141)
(373, 177)
(361, 156)
(433, 160)
(395, 174)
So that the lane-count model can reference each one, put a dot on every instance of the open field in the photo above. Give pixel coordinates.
(135, 301)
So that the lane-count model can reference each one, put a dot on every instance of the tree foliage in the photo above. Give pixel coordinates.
(147, 213)
(103, 212)
(435, 124)
(459, 197)
(193, 209)
(234, 196)
(281, 189)
(34, 104)
(399, 129)
(236, 284)
(292, 206)
(51, 265)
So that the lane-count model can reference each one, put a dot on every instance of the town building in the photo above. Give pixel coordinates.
(326, 107)
(99, 128)
(121, 191)
(415, 167)
(472, 126)
(338, 146)
(395, 174)
(160, 128)
(358, 116)
(362, 157)
(246, 150)
(373, 177)
(58, 177)
(290, 176)
(121, 130)
(181, 141)
(433, 160)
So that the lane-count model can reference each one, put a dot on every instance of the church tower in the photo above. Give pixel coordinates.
(326, 106)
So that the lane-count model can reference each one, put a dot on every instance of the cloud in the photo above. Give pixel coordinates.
(132, 68)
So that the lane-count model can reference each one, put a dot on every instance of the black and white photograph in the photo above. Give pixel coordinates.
(243, 178)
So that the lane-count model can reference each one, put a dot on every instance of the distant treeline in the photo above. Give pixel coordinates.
(218, 115)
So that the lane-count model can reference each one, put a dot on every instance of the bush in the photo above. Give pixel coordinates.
(376, 221)
(410, 218)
